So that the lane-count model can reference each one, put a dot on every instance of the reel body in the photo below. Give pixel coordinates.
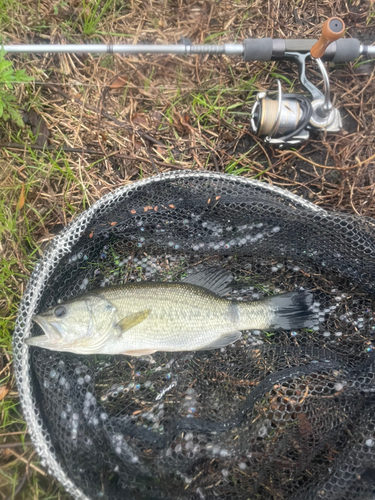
(288, 119)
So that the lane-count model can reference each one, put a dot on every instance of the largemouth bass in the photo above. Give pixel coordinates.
(141, 318)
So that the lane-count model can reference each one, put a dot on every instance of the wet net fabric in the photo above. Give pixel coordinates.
(277, 415)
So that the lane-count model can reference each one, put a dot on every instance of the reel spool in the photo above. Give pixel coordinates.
(282, 120)
(288, 119)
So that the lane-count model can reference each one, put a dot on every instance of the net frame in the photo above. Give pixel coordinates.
(60, 247)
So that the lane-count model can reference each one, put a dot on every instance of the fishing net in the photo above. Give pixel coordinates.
(277, 415)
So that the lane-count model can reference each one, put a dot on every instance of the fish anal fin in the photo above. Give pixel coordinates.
(132, 320)
(215, 279)
(139, 352)
(222, 341)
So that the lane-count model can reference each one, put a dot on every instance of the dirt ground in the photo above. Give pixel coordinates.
(94, 123)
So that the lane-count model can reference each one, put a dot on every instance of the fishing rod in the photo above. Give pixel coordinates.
(286, 119)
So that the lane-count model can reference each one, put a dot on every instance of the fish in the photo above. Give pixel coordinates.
(139, 319)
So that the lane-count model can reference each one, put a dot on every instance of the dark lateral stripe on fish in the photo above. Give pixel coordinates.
(233, 312)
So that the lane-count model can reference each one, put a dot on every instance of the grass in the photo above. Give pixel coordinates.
(8, 102)
(92, 14)
(98, 136)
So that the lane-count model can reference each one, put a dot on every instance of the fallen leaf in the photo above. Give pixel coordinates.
(227, 136)
(91, 234)
(147, 208)
(112, 223)
(160, 150)
(133, 211)
(4, 389)
(140, 119)
(21, 200)
(119, 82)
(181, 123)
(137, 144)
(172, 206)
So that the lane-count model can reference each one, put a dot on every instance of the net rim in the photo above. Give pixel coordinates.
(60, 246)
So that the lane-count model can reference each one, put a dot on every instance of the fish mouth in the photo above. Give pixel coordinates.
(52, 334)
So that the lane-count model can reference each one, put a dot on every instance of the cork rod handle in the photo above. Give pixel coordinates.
(333, 29)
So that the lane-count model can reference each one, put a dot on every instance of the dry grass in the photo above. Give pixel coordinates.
(112, 120)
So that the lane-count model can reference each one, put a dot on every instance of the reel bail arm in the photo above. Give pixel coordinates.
(288, 120)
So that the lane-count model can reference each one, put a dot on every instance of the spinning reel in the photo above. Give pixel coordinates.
(288, 119)
(285, 120)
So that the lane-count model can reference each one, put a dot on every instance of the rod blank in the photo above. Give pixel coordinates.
(228, 48)
(252, 49)
(369, 50)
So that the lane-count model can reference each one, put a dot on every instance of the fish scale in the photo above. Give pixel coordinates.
(182, 317)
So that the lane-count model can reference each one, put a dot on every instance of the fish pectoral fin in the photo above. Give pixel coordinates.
(132, 320)
(222, 341)
(140, 352)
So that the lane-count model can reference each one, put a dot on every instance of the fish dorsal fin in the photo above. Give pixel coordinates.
(132, 320)
(215, 279)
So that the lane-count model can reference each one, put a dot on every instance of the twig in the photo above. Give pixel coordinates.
(20, 457)
(284, 153)
(215, 162)
(297, 19)
(15, 145)
(4, 446)
(152, 160)
(317, 12)
(262, 148)
(12, 433)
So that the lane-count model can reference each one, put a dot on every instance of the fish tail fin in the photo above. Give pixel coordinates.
(292, 311)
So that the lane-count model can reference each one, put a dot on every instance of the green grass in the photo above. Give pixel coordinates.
(371, 14)
(20, 230)
(9, 275)
(6, 12)
(93, 13)
(232, 166)
(8, 102)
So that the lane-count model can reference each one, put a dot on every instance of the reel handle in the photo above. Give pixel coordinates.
(332, 30)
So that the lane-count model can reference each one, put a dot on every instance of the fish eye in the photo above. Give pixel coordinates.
(60, 311)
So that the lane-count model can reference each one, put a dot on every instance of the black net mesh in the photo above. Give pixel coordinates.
(284, 415)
